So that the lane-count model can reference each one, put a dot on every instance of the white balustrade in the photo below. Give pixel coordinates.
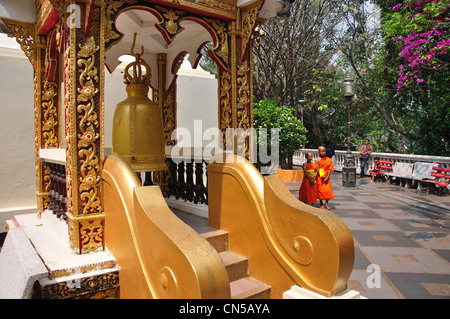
(339, 157)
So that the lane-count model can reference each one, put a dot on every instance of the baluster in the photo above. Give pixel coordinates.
(172, 182)
(62, 189)
(148, 179)
(189, 195)
(165, 181)
(59, 191)
(64, 193)
(199, 188)
(180, 182)
(56, 189)
(53, 187)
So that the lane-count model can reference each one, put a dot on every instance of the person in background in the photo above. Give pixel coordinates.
(308, 190)
(364, 153)
(329, 148)
(376, 169)
(325, 168)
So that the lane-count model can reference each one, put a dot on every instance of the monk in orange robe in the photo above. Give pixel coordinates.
(308, 190)
(325, 168)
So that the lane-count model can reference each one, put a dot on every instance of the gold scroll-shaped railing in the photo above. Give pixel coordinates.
(159, 256)
(287, 242)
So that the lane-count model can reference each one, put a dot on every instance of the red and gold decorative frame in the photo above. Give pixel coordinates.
(84, 107)
(82, 50)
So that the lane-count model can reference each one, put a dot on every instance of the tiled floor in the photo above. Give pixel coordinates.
(402, 239)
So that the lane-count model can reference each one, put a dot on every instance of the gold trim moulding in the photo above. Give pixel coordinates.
(224, 9)
(86, 232)
(94, 286)
(105, 265)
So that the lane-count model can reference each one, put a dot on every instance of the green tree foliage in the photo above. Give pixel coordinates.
(400, 66)
(416, 35)
(206, 63)
(413, 118)
(293, 62)
(267, 115)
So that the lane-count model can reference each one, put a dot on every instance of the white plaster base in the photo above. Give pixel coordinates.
(38, 249)
(50, 238)
(20, 266)
(297, 292)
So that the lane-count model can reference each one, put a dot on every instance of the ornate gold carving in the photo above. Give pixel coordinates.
(225, 110)
(243, 106)
(166, 100)
(46, 185)
(50, 115)
(181, 57)
(91, 233)
(248, 23)
(243, 96)
(225, 100)
(218, 6)
(89, 126)
(60, 6)
(37, 81)
(25, 36)
(171, 23)
(86, 232)
(83, 83)
(112, 7)
(220, 53)
(169, 111)
(70, 129)
(100, 286)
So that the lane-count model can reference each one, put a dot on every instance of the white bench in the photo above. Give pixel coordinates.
(422, 171)
(400, 171)
(419, 172)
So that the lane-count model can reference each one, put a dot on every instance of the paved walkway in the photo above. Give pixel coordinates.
(402, 239)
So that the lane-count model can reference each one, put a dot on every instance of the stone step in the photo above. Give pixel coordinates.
(218, 239)
(235, 264)
(242, 285)
(249, 288)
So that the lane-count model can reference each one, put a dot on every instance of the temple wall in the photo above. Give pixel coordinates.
(196, 99)
(17, 168)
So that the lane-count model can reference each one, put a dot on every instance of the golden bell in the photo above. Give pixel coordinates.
(137, 135)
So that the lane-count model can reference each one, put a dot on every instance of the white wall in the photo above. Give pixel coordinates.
(17, 168)
(197, 99)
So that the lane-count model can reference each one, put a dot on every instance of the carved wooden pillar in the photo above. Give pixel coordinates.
(235, 83)
(41, 52)
(47, 109)
(84, 127)
(166, 99)
(44, 106)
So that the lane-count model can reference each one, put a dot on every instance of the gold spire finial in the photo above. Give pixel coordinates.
(137, 77)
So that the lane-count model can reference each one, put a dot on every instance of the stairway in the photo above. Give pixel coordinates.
(241, 284)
